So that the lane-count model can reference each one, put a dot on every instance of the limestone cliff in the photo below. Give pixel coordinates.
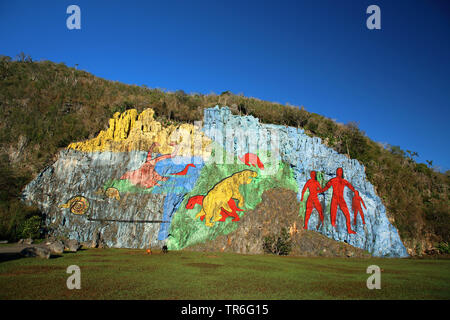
(140, 184)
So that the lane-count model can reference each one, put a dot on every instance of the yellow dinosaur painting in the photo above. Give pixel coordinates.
(218, 197)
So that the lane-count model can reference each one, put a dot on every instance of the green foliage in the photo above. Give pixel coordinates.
(444, 248)
(280, 244)
(31, 228)
(15, 219)
(13, 212)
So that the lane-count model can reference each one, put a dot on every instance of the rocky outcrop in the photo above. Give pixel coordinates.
(71, 245)
(56, 247)
(129, 131)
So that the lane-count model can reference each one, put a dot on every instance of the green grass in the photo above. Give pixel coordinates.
(131, 274)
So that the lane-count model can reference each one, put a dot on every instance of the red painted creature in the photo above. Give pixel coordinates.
(313, 201)
(225, 214)
(356, 206)
(185, 170)
(252, 159)
(339, 183)
(146, 176)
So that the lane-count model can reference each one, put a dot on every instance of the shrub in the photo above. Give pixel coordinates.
(31, 228)
(443, 248)
(278, 244)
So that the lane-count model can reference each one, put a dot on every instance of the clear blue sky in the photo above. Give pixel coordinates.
(393, 81)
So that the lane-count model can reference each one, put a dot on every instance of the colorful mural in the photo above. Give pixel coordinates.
(160, 175)
(171, 181)
(146, 176)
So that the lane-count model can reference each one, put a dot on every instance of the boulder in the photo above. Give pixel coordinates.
(102, 245)
(350, 254)
(39, 252)
(71, 245)
(56, 247)
(26, 241)
(88, 244)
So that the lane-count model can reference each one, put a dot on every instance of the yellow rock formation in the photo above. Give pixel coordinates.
(132, 131)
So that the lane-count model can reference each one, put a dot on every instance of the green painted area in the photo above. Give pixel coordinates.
(184, 275)
(186, 230)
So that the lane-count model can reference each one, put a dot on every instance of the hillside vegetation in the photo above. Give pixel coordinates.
(44, 106)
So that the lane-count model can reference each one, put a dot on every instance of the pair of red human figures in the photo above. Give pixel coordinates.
(338, 183)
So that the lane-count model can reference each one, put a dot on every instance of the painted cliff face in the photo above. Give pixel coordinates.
(141, 184)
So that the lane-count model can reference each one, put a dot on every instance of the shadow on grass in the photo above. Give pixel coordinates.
(7, 256)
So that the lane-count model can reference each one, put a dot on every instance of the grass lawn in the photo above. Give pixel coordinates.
(131, 274)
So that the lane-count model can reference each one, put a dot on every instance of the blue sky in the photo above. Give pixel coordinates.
(319, 54)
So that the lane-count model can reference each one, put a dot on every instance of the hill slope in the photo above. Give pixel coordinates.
(45, 106)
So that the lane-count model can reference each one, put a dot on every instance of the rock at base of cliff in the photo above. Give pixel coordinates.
(39, 252)
(71, 245)
(56, 247)
(88, 244)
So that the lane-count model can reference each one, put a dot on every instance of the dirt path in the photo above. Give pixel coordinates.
(16, 247)
(12, 251)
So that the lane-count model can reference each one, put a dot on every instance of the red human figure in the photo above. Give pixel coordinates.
(252, 159)
(313, 201)
(339, 183)
(356, 206)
